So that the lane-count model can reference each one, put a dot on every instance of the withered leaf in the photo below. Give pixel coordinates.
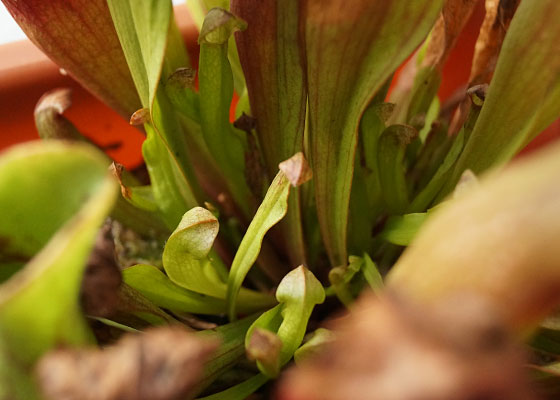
(391, 350)
(454, 16)
(160, 364)
(499, 14)
(102, 278)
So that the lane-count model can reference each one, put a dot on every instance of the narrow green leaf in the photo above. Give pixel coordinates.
(401, 229)
(272, 209)
(340, 278)
(299, 291)
(72, 194)
(180, 89)
(240, 391)
(351, 50)
(142, 27)
(524, 94)
(391, 163)
(270, 54)
(438, 180)
(371, 274)
(230, 352)
(372, 126)
(169, 183)
(161, 291)
(198, 10)
(132, 302)
(216, 91)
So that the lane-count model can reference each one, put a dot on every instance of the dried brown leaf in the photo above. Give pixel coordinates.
(160, 364)
(389, 350)
(499, 14)
(102, 278)
(453, 18)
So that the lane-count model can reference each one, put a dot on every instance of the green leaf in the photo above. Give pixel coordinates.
(524, 94)
(185, 256)
(80, 37)
(438, 180)
(271, 58)
(272, 209)
(189, 263)
(371, 274)
(340, 278)
(240, 391)
(58, 194)
(351, 51)
(180, 89)
(15, 382)
(161, 291)
(391, 163)
(299, 291)
(142, 27)
(169, 183)
(230, 352)
(401, 229)
(216, 91)
(198, 10)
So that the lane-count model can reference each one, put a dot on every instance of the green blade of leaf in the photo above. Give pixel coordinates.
(272, 209)
(294, 171)
(169, 184)
(142, 27)
(73, 193)
(340, 278)
(371, 274)
(271, 58)
(401, 229)
(299, 291)
(351, 50)
(132, 302)
(390, 158)
(161, 291)
(80, 37)
(198, 10)
(524, 94)
(230, 352)
(240, 391)
(216, 91)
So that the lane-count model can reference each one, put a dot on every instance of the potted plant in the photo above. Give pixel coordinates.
(238, 252)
